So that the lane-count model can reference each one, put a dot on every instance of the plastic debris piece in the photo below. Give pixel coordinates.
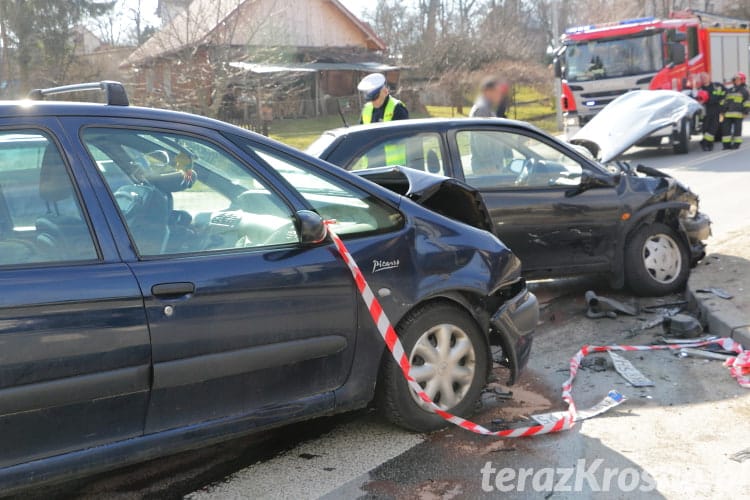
(719, 292)
(700, 353)
(604, 307)
(682, 326)
(612, 399)
(705, 338)
(629, 372)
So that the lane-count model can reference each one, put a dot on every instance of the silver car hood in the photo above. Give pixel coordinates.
(632, 117)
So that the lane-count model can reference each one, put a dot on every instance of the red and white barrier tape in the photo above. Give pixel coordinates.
(739, 366)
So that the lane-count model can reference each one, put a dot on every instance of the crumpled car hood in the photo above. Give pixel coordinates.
(631, 118)
(444, 195)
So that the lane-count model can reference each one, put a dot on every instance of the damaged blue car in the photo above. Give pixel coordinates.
(166, 281)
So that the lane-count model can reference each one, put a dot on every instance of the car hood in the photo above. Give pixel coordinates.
(444, 195)
(631, 118)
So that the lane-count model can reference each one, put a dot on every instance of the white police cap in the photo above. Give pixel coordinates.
(371, 85)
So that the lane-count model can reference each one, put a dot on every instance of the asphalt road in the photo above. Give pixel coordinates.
(664, 441)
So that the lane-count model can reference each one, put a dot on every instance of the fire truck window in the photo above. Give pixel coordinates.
(692, 37)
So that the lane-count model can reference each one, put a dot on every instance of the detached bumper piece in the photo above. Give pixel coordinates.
(697, 229)
(514, 323)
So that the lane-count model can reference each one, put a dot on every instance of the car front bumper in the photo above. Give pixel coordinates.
(514, 323)
(698, 230)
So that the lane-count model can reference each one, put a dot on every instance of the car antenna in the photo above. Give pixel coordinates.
(341, 113)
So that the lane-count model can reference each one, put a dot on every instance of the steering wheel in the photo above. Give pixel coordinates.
(526, 171)
(126, 200)
(280, 235)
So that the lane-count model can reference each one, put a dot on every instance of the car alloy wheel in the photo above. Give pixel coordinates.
(443, 364)
(662, 258)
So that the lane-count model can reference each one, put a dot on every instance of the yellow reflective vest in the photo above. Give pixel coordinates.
(395, 154)
(390, 109)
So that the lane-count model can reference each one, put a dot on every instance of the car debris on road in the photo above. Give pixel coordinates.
(682, 326)
(604, 307)
(629, 372)
(719, 292)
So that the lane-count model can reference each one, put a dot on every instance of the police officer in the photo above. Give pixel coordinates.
(736, 106)
(713, 97)
(381, 106)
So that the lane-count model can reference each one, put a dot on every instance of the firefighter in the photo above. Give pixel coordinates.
(381, 106)
(736, 106)
(714, 96)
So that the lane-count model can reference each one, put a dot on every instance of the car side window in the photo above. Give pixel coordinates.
(356, 212)
(419, 151)
(182, 195)
(495, 159)
(41, 219)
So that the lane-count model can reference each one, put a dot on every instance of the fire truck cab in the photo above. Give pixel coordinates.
(598, 63)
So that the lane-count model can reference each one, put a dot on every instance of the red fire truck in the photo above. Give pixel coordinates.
(598, 63)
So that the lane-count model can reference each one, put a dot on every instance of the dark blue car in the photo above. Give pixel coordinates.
(166, 282)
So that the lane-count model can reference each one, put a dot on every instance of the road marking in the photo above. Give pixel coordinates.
(705, 159)
(319, 466)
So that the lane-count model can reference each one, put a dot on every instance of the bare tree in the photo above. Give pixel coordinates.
(42, 34)
(190, 54)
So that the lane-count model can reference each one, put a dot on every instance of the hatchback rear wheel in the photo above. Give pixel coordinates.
(450, 361)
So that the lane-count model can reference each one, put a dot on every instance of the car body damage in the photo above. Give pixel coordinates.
(634, 117)
(444, 195)
(669, 192)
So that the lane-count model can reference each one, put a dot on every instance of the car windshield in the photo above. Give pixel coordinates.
(595, 60)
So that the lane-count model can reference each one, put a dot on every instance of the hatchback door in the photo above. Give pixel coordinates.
(244, 319)
(74, 346)
(530, 186)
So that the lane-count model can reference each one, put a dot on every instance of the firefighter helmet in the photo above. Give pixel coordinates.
(742, 77)
(702, 97)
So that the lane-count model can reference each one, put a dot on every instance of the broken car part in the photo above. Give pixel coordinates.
(629, 372)
(682, 326)
(700, 353)
(719, 292)
(601, 307)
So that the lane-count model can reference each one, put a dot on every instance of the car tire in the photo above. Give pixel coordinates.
(435, 325)
(656, 261)
(682, 144)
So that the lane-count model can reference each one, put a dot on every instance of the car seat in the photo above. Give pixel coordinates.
(60, 236)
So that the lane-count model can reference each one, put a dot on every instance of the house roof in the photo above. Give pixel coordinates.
(261, 68)
(256, 22)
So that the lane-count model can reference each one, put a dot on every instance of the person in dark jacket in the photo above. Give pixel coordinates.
(714, 96)
(736, 106)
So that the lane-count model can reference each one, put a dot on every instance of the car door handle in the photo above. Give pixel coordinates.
(172, 290)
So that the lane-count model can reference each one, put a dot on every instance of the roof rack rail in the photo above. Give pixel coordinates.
(115, 91)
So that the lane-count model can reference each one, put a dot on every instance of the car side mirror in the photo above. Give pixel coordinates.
(558, 68)
(312, 229)
(594, 180)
